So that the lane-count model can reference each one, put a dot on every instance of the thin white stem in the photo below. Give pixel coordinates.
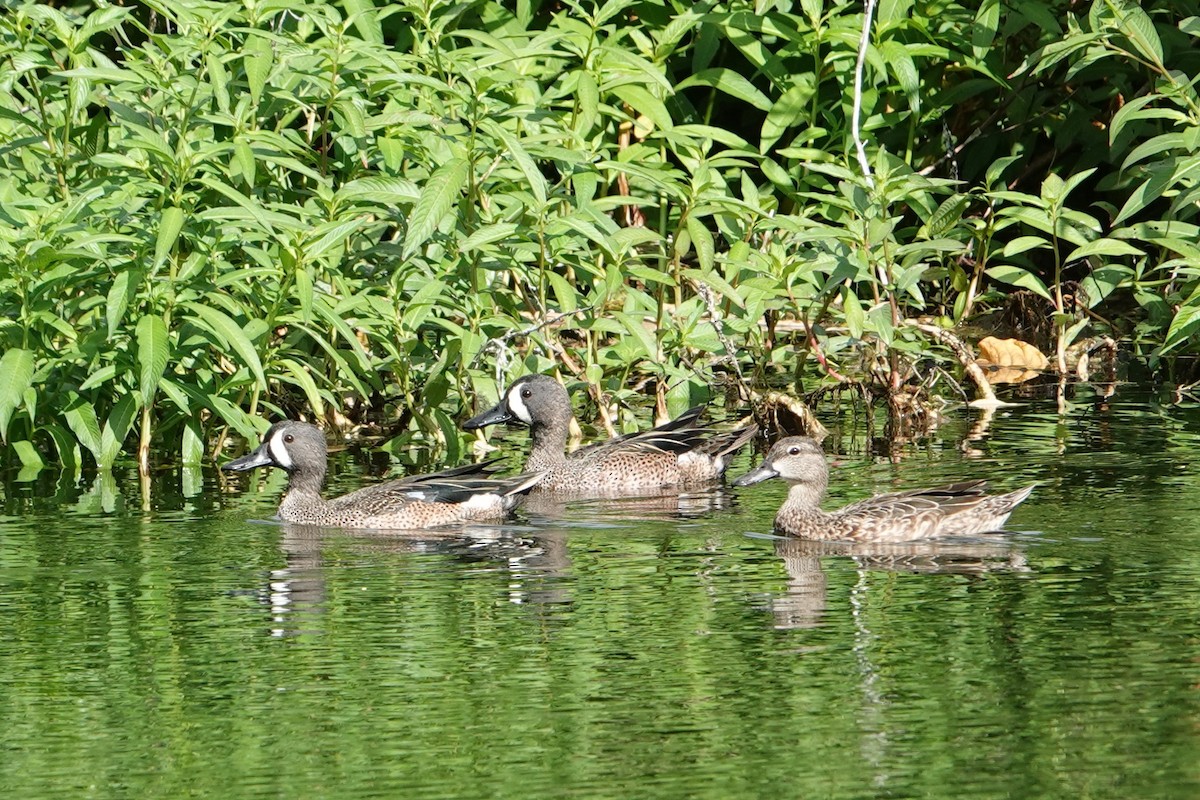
(855, 126)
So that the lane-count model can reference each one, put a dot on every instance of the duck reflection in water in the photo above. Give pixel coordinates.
(618, 507)
(804, 603)
(534, 564)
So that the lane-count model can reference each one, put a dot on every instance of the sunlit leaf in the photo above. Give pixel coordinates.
(300, 376)
(191, 446)
(116, 428)
(169, 226)
(1104, 247)
(640, 100)
(16, 375)
(81, 418)
(153, 351)
(646, 344)
(1016, 276)
(439, 195)
(229, 335)
(728, 81)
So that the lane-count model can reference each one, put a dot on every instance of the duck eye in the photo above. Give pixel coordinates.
(287, 437)
(527, 393)
(793, 451)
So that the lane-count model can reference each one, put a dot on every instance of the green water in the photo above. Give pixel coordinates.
(620, 650)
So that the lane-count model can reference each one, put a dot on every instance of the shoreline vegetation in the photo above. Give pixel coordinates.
(212, 213)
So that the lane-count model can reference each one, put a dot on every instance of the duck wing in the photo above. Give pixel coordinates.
(454, 485)
(680, 435)
(915, 514)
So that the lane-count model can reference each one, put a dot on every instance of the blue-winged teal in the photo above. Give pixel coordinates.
(421, 501)
(679, 454)
(956, 509)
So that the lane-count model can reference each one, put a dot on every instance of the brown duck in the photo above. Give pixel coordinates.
(954, 509)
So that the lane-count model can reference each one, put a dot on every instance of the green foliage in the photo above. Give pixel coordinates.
(216, 211)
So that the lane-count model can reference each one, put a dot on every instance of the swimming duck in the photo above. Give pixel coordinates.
(955, 509)
(676, 455)
(420, 501)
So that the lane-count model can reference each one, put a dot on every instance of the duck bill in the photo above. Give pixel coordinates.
(756, 476)
(258, 458)
(493, 416)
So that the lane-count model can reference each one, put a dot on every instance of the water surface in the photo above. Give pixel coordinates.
(620, 649)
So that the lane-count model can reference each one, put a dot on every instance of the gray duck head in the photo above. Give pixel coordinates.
(296, 447)
(534, 401)
(797, 460)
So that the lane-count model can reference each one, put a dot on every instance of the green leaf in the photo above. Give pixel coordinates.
(1104, 247)
(168, 233)
(983, 32)
(792, 107)
(1104, 281)
(1016, 276)
(855, 318)
(229, 334)
(1023, 244)
(438, 196)
(257, 60)
(489, 234)
(116, 428)
(16, 375)
(730, 82)
(947, 215)
(419, 306)
(1136, 26)
(1154, 146)
(331, 235)
(81, 418)
(702, 241)
(1185, 323)
(645, 339)
(587, 101)
(119, 296)
(153, 350)
(301, 377)
(30, 457)
(1155, 187)
(64, 444)
(516, 151)
(99, 377)
(191, 447)
(900, 64)
(640, 99)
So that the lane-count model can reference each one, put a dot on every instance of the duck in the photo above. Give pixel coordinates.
(453, 495)
(679, 454)
(956, 509)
